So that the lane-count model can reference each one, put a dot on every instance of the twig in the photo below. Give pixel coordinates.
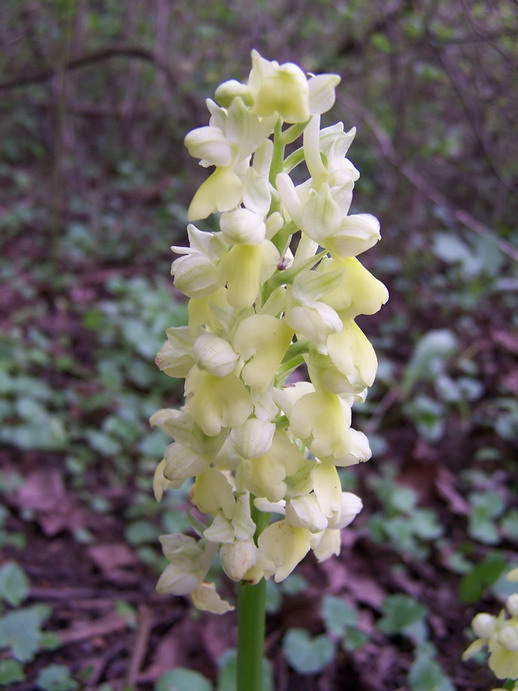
(100, 663)
(101, 627)
(421, 183)
(135, 52)
(140, 646)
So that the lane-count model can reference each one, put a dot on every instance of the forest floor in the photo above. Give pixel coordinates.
(430, 549)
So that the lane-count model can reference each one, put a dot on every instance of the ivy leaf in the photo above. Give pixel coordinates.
(338, 615)
(20, 631)
(56, 678)
(354, 639)
(14, 584)
(182, 679)
(305, 654)
(426, 674)
(400, 612)
(480, 577)
(11, 671)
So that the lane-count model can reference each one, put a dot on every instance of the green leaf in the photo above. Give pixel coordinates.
(273, 597)
(489, 503)
(141, 532)
(11, 671)
(354, 639)
(480, 577)
(56, 678)
(20, 631)
(430, 357)
(294, 584)
(381, 42)
(338, 615)
(425, 524)
(305, 654)
(482, 528)
(399, 612)
(503, 587)
(182, 679)
(14, 584)
(402, 499)
(510, 524)
(427, 675)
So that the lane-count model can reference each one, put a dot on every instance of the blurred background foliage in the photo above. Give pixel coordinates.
(96, 98)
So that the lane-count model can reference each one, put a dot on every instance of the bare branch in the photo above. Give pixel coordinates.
(421, 183)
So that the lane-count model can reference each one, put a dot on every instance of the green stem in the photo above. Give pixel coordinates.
(251, 610)
(277, 164)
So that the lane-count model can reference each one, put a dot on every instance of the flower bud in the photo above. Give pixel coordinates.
(238, 558)
(243, 226)
(215, 355)
(314, 320)
(357, 233)
(195, 275)
(209, 144)
(508, 637)
(512, 605)
(305, 512)
(254, 438)
(483, 625)
(231, 89)
(284, 91)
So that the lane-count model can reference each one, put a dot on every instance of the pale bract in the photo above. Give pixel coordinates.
(271, 355)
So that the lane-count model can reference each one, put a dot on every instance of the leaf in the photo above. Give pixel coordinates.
(20, 631)
(294, 584)
(425, 524)
(338, 615)
(305, 654)
(141, 532)
(480, 577)
(56, 678)
(273, 597)
(399, 612)
(11, 671)
(427, 415)
(482, 528)
(182, 679)
(354, 639)
(14, 584)
(429, 358)
(402, 498)
(427, 675)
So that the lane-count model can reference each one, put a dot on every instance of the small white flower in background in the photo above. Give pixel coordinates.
(276, 288)
(500, 635)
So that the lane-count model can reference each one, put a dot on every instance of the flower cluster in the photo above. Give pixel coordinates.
(276, 289)
(500, 635)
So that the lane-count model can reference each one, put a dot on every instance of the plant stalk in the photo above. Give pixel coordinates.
(251, 614)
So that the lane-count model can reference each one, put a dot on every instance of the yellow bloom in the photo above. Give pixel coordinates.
(262, 341)
(218, 402)
(244, 268)
(221, 191)
(285, 546)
